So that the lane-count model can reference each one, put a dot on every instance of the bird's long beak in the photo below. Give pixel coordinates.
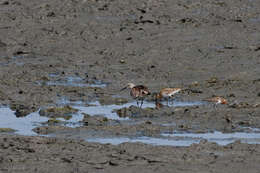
(123, 88)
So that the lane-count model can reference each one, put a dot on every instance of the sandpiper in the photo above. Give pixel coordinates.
(138, 92)
(216, 100)
(167, 93)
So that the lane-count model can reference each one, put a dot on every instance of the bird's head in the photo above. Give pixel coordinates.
(223, 101)
(129, 85)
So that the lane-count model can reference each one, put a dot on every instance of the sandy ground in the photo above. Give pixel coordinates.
(206, 47)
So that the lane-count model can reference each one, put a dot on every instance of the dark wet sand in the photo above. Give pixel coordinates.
(38, 154)
(206, 47)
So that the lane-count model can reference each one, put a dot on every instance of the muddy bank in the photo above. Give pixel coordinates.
(67, 53)
(159, 44)
(39, 154)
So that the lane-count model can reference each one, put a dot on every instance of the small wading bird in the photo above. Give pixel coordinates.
(216, 101)
(167, 93)
(138, 92)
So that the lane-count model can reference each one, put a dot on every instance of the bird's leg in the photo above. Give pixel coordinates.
(137, 102)
(172, 100)
(142, 101)
(215, 107)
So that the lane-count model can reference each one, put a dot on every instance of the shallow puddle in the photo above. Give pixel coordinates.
(219, 137)
(72, 81)
(185, 139)
(104, 110)
(146, 140)
(108, 110)
(24, 125)
(255, 20)
(65, 101)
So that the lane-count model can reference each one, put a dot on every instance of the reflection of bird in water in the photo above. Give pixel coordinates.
(167, 93)
(138, 92)
(216, 100)
(158, 105)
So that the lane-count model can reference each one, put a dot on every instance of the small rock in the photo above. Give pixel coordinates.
(148, 122)
(256, 105)
(53, 121)
(122, 61)
(254, 48)
(228, 119)
(94, 120)
(5, 3)
(240, 105)
(122, 112)
(113, 163)
(134, 111)
(195, 83)
(256, 81)
(231, 95)
(203, 141)
(213, 80)
(48, 129)
(51, 14)
(193, 91)
(21, 110)
(2, 44)
(21, 113)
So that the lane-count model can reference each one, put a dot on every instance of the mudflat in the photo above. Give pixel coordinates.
(54, 54)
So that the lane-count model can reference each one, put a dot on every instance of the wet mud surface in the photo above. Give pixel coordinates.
(63, 63)
(38, 154)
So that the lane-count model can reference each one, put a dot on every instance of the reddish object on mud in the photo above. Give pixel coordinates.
(217, 100)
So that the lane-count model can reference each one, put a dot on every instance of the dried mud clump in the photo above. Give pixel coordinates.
(136, 112)
(94, 120)
(55, 112)
(44, 130)
(6, 130)
(22, 110)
